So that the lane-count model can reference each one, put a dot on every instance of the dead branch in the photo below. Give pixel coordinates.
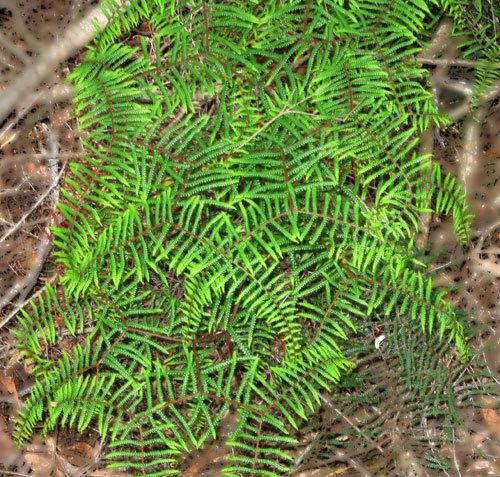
(76, 36)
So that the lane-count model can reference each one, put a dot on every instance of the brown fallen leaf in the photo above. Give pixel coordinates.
(8, 385)
(9, 452)
(42, 459)
(492, 420)
(488, 401)
(340, 471)
(491, 467)
(83, 448)
(79, 454)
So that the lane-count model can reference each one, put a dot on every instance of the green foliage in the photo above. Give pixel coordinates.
(407, 388)
(249, 200)
(475, 24)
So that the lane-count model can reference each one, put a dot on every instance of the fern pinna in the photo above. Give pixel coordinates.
(249, 198)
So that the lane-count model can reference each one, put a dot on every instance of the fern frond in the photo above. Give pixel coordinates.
(248, 202)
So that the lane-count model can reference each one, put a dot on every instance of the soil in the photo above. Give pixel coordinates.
(473, 270)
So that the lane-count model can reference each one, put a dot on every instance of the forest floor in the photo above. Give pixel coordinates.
(38, 138)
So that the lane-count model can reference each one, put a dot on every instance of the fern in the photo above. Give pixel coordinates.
(248, 201)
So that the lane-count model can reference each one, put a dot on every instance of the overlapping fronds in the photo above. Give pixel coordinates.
(480, 47)
(250, 195)
(397, 402)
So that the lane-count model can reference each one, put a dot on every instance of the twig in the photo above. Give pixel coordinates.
(42, 197)
(487, 230)
(440, 42)
(455, 62)
(471, 146)
(461, 86)
(455, 454)
(301, 455)
(10, 47)
(15, 311)
(355, 465)
(287, 110)
(426, 147)
(487, 266)
(493, 18)
(15, 158)
(330, 405)
(50, 94)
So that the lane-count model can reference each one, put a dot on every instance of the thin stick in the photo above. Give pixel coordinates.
(42, 197)
(15, 311)
(283, 112)
(493, 18)
(330, 405)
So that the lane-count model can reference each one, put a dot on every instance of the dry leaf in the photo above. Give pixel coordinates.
(79, 454)
(83, 448)
(492, 420)
(340, 471)
(446, 451)
(28, 366)
(7, 384)
(488, 401)
(42, 458)
(9, 452)
(40, 463)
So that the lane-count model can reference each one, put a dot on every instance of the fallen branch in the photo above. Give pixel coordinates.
(76, 36)
(454, 62)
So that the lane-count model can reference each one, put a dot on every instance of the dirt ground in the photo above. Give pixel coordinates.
(39, 137)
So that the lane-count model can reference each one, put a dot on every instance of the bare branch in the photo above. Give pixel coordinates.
(454, 62)
(76, 36)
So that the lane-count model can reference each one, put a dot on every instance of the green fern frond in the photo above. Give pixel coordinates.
(248, 201)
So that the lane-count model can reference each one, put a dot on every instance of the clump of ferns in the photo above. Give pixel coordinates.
(224, 261)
